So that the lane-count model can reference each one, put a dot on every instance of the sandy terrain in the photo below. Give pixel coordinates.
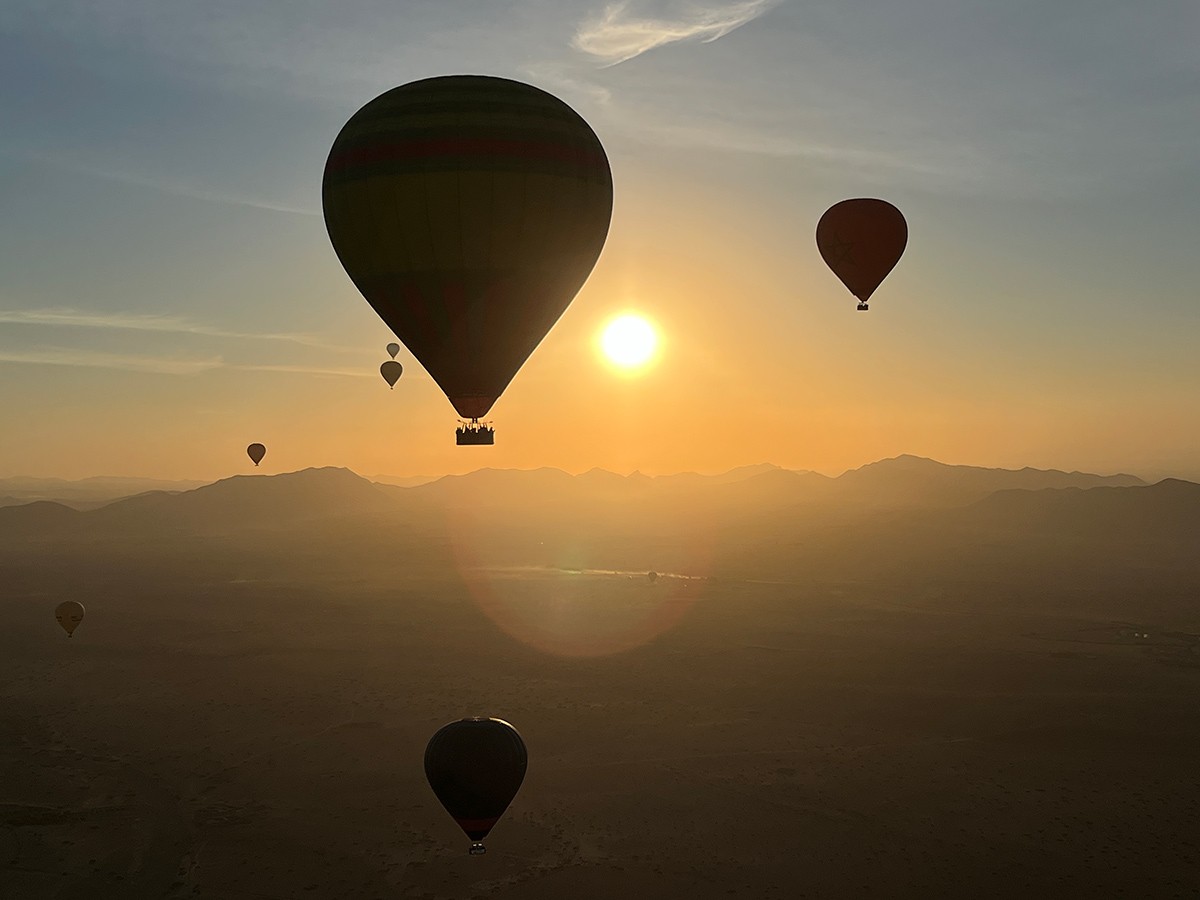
(261, 737)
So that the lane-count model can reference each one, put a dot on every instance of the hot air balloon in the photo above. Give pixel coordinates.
(69, 614)
(391, 372)
(392, 350)
(256, 452)
(475, 767)
(468, 210)
(653, 576)
(861, 241)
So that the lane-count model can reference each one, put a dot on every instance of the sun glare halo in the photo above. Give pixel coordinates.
(629, 341)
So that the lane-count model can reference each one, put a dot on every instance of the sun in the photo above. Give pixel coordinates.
(629, 341)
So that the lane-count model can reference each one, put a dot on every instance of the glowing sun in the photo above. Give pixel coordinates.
(629, 341)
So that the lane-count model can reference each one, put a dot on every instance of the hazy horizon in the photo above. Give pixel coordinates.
(266, 469)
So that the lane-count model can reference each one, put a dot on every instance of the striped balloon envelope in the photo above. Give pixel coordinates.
(468, 210)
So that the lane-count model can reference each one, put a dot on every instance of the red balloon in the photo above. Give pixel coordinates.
(861, 240)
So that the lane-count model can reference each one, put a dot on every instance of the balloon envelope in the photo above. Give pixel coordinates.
(653, 576)
(69, 614)
(256, 452)
(392, 350)
(475, 767)
(468, 210)
(861, 240)
(391, 372)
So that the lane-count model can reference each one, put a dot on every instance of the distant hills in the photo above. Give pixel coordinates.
(403, 480)
(276, 501)
(752, 519)
(911, 480)
(86, 493)
(902, 481)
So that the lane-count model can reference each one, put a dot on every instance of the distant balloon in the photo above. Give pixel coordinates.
(475, 767)
(653, 576)
(69, 614)
(391, 372)
(392, 350)
(861, 241)
(468, 210)
(256, 452)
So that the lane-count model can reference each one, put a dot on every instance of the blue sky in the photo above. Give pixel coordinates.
(164, 268)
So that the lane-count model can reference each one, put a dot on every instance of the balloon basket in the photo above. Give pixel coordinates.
(862, 306)
(474, 434)
(477, 849)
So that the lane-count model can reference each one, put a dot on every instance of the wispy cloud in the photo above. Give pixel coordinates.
(184, 189)
(618, 34)
(950, 164)
(168, 185)
(71, 318)
(764, 130)
(158, 365)
(307, 370)
(63, 356)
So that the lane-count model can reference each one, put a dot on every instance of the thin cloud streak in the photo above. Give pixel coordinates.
(164, 185)
(616, 36)
(182, 189)
(944, 165)
(71, 318)
(305, 370)
(156, 365)
(62, 356)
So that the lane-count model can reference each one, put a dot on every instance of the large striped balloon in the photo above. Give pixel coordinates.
(469, 211)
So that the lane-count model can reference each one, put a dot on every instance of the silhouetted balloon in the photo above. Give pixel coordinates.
(653, 576)
(468, 210)
(256, 452)
(475, 767)
(392, 350)
(861, 241)
(69, 614)
(391, 372)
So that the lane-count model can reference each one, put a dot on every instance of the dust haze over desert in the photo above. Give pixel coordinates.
(783, 415)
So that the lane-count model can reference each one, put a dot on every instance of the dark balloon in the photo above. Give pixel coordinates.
(69, 614)
(391, 372)
(468, 210)
(392, 350)
(861, 241)
(256, 452)
(475, 767)
(653, 576)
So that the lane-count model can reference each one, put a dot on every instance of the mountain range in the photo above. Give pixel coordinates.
(758, 519)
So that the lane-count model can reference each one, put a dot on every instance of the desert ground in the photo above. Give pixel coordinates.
(254, 728)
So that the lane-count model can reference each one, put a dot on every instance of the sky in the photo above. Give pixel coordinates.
(168, 293)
